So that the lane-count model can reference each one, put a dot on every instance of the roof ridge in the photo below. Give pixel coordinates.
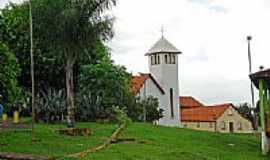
(221, 104)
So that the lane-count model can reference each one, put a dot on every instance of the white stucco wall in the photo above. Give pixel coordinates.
(150, 89)
(167, 77)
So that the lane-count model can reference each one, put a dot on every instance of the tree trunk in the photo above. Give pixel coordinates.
(32, 71)
(70, 95)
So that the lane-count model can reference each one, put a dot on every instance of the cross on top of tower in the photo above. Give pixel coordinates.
(162, 31)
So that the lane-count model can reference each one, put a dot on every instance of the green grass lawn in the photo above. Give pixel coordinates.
(54, 144)
(162, 143)
(153, 143)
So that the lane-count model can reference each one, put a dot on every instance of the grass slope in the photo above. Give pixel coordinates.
(162, 143)
(53, 144)
(153, 143)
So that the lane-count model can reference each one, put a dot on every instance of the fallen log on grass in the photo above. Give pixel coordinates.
(18, 156)
(75, 131)
(113, 138)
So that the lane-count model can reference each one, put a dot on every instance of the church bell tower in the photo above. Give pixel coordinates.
(163, 66)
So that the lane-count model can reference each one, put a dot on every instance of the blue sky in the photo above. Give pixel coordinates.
(210, 33)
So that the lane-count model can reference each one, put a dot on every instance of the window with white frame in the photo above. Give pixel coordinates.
(223, 125)
(210, 124)
(239, 125)
(230, 112)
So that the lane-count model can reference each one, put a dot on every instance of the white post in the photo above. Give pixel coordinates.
(264, 143)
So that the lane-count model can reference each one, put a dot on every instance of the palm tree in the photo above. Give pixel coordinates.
(70, 27)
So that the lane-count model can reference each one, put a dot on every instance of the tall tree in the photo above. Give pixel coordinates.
(49, 68)
(70, 27)
(9, 88)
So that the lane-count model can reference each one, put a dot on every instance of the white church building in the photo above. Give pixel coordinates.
(162, 81)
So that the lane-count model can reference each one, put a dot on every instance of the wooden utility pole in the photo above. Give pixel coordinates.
(32, 70)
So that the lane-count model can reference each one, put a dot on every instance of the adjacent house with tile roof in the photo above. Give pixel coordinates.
(162, 81)
(217, 118)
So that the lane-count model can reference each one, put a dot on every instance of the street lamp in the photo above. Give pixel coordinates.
(249, 38)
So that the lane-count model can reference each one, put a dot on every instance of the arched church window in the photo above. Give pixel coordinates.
(170, 58)
(166, 59)
(158, 59)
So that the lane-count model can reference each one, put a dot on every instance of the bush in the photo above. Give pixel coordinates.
(52, 106)
(101, 86)
(88, 107)
(152, 111)
(121, 115)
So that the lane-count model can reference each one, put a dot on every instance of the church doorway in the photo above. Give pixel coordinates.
(231, 127)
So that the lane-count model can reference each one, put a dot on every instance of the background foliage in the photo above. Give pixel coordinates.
(8, 77)
(99, 84)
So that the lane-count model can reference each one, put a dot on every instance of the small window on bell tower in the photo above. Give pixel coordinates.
(173, 59)
(166, 59)
(170, 58)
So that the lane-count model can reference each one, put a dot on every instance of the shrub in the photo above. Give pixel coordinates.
(51, 106)
(88, 107)
(121, 115)
(152, 111)
(101, 86)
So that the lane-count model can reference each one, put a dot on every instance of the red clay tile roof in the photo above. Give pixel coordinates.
(137, 82)
(189, 102)
(204, 114)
